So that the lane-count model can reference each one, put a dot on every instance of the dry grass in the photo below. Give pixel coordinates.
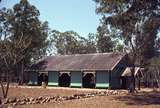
(38, 91)
(149, 99)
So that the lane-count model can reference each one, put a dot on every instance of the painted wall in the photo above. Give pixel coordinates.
(115, 77)
(76, 79)
(53, 78)
(102, 79)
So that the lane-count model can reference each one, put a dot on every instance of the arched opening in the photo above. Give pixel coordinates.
(42, 77)
(64, 80)
(88, 80)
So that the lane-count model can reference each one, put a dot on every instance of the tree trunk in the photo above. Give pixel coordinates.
(5, 91)
(7, 86)
(22, 72)
(132, 62)
(132, 83)
(139, 83)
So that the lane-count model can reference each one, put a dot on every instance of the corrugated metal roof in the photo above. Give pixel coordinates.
(97, 61)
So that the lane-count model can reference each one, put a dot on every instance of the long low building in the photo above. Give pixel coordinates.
(99, 70)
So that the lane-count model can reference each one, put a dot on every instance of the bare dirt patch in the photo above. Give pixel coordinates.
(144, 99)
(39, 91)
(94, 102)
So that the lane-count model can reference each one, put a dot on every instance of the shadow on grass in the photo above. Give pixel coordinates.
(145, 98)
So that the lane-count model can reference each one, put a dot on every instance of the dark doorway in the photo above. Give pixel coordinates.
(124, 83)
(64, 80)
(89, 80)
(42, 77)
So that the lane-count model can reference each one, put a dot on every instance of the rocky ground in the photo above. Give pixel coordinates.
(46, 99)
(66, 94)
(37, 95)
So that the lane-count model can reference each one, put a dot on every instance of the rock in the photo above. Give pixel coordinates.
(90, 95)
(40, 98)
(43, 101)
(29, 103)
(105, 92)
(12, 100)
(34, 102)
(5, 101)
(52, 97)
(82, 95)
(87, 95)
(14, 104)
(47, 99)
(101, 94)
(64, 97)
(67, 97)
(111, 92)
(18, 100)
(31, 99)
(26, 100)
(22, 103)
(78, 97)
(52, 101)
(37, 102)
(115, 92)
(57, 99)
(75, 95)
(71, 97)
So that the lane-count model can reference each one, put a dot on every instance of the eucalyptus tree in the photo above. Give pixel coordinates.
(108, 39)
(139, 21)
(23, 39)
(70, 42)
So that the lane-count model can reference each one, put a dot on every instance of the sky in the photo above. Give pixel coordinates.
(64, 15)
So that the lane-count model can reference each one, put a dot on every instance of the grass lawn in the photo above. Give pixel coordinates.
(146, 99)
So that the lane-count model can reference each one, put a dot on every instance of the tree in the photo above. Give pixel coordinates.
(9, 55)
(9, 59)
(157, 45)
(88, 44)
(154, 71)
(23, 39)
(65, 42)
(139, 21)
(104, 41)
(26, 26)
(70, 42)
(107, 40)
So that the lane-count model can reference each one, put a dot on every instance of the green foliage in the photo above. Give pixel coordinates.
(23, 36)
(65, 42)
(70, 42)
(138, 21)
(108, 39)
(26, 26)
(153, 72)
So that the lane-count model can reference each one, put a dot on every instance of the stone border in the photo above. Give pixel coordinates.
(52, 99)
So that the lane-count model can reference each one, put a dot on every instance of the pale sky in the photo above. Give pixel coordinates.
(63, 15)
